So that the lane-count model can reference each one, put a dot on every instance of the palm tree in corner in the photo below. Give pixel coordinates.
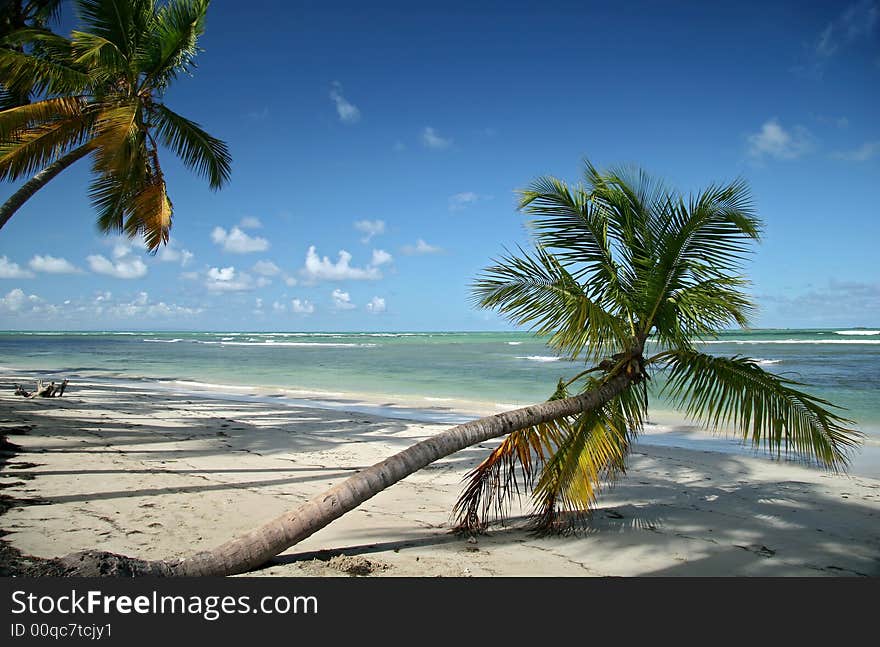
(102, 95)
(16, 15)
(627, 276)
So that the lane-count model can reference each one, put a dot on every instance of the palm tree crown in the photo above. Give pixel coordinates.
(629, 276)
(103, 90)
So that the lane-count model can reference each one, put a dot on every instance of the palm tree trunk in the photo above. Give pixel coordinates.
(258, 546)
(39, 181)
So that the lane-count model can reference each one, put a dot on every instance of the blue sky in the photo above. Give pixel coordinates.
(377, 151)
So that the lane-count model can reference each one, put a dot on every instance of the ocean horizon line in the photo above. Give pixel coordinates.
(872, 329)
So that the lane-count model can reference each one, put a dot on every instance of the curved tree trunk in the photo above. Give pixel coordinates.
(39, 181)
(258, 546)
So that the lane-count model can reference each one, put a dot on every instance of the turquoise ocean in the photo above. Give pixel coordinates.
(434, 373)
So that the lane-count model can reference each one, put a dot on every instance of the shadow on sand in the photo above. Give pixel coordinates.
(705, 510)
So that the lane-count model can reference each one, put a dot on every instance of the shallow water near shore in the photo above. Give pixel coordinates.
(442, 377)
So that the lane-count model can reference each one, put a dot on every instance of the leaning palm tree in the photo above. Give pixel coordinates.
(103, 90)
(627, 276)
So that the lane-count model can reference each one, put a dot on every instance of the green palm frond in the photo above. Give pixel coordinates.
(121, 170)
(31, 150)
(627, 199)
(593, 454)
(700, 309)
(111, 194)
(709, 236)
(12, 99)
(133, 202)
(171, 45)
(118, 140)
(564, 463)
(538, 292)
(115, 22)
(41, 76)
(17, 88)
(567, 223)
(718, 227)
(202, 153)
(150, 214)
(101, 56)
(45, 11)
(46, 41)
(735, 393)
(21, 118)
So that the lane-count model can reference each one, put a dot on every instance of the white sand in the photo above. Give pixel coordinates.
(157, 475)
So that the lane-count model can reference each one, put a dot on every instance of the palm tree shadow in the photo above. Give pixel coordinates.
(720, 524)
(514, 530)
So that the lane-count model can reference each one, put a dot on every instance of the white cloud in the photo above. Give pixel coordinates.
(122, 248)
(227, 279)
(101, 306)
(380, 257)
(775, 141)
(826, 46)
(141, 306)
(17, 303)
(238, 242)
(370, 228)
(250, 222)
(460, 201)
(421, 247)
(123, 268)
(15, 299)
(304, 307)
(277, 306)
(289, 280)
(856, 24)
(342, 300)
(10, 270)
(323, 269)
(224, 274)
(163, 309)
(855, 302)
(170, 254)
(348, 112)
(432, 139)
(376, 305)
(258, 115)
(266, 268)
(862, 154)
(52, 265)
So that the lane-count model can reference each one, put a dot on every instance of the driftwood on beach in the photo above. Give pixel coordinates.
(50, 390)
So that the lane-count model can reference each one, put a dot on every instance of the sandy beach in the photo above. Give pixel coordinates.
(157, 474)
